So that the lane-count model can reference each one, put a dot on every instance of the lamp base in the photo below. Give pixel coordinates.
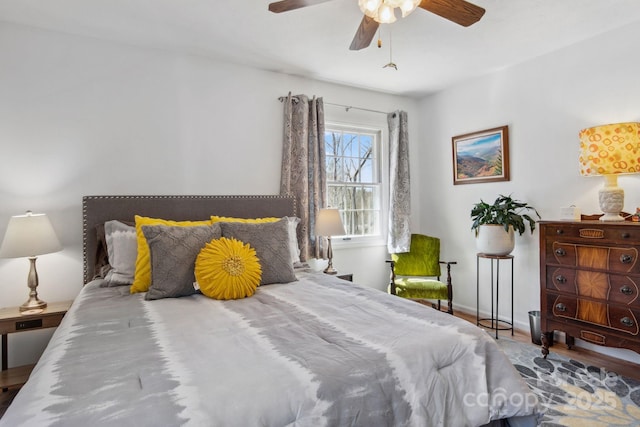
(611, 217)
(33, 303)
(611, 199)
(330, 270)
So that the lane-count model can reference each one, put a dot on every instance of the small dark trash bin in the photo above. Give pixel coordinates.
(534, 324)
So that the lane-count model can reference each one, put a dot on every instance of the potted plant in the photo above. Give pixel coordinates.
(495, 223)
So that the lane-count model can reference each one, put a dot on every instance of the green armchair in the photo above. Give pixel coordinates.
(416, 274)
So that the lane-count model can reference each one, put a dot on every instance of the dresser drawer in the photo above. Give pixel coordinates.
(618, 259)
(614, 288)
(602, 317)
(594, 335)
(593, 231)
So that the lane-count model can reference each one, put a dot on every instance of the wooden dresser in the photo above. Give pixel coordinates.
(589, 282)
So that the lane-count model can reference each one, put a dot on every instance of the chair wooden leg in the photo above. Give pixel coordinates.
(449, 289)
(392, 278)
(439, 306)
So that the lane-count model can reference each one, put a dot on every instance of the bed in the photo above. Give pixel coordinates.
(314, 351)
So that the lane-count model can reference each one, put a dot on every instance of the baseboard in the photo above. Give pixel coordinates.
(471, 311)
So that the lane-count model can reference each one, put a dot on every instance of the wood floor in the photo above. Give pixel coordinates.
(588, 357)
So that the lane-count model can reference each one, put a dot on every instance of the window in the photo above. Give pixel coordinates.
(354, 184)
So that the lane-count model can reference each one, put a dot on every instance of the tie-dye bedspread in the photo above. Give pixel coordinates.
(316, 352)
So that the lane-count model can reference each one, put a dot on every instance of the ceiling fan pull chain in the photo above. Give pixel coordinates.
(391, 64)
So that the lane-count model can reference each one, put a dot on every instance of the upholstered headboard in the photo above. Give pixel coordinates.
(98, 209)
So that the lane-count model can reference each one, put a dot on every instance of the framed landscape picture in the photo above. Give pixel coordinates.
(481, 156)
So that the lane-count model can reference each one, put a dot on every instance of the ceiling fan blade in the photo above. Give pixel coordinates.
(287, 5)
(364, 34)
(458, 11)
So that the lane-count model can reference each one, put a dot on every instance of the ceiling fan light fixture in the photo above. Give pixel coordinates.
(370, 7)
(393, 3)
(384, 11)
(386, 14)
(408, 6)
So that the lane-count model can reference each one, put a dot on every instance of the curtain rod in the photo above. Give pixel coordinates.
(349, 107)
(346, 107)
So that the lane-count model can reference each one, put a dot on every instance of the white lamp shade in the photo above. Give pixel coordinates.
(329, 223)
(29, 235)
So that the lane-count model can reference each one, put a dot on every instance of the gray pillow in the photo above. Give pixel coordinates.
(173, 251)
(271, 242)
(122, 250)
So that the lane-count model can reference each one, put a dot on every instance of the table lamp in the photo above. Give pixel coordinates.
(610, 150)
(329, 223)
(30, 235)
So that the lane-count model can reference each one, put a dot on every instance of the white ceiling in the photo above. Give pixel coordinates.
(431, 53)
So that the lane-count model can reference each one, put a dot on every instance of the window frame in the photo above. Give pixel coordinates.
(380, 148)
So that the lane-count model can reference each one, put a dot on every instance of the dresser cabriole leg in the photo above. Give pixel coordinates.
(546, 341)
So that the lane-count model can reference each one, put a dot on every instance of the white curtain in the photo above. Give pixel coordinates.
(399, 239)
(303, 166)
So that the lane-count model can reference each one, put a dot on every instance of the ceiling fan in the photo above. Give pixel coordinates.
(458, 11)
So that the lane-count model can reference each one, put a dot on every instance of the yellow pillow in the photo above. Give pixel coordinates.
(142, 275)
(216, 218)
(227, 269)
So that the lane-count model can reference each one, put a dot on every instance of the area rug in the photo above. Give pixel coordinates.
(572, 393)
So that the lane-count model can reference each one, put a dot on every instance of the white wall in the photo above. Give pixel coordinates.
(80, 116)
(545, 102)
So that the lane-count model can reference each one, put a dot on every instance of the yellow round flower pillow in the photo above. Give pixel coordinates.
(227, 269)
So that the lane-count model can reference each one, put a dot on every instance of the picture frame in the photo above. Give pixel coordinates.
(481, 156)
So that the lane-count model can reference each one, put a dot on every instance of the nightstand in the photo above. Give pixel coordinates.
(347, 277)
(11, 321)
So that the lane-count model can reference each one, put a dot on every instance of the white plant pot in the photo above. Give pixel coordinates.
(493, 240)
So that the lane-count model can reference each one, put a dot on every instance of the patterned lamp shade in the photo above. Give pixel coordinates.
(610, 149)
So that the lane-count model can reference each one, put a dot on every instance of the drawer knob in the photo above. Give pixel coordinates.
(626, 258)
(559, 231)
(626, 290)
(626, 235)
(626, 321)
(561, 252)
(561, 279)
(561, 307)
